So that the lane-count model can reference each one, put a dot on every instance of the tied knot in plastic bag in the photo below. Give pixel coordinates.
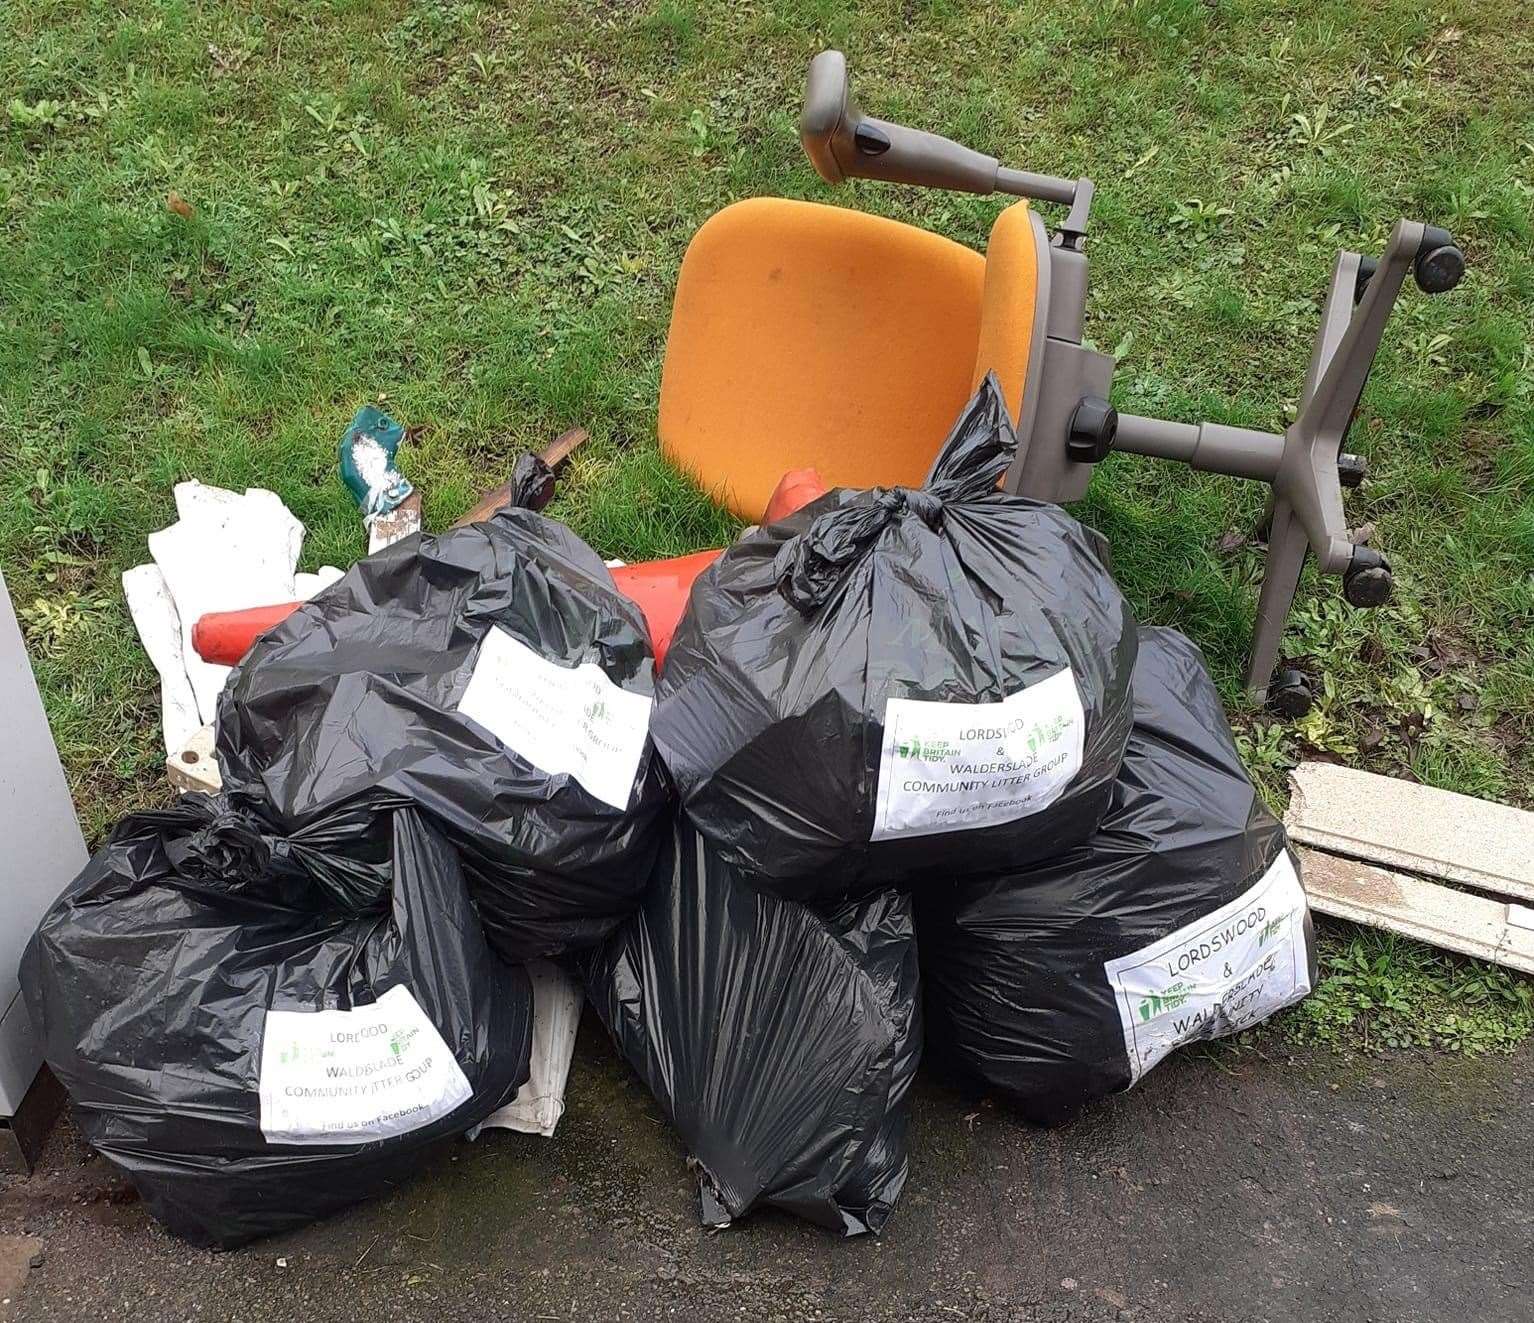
(532, 483)
(227, 844)
(810, 566)
(228, 847)
(813, 563)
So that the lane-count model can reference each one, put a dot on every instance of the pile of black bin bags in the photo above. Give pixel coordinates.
(900, 720)
(271, 1004)
(929, 714)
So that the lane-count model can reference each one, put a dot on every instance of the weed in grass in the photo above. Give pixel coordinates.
(636, 506)
(1381, 991)
(674, 25)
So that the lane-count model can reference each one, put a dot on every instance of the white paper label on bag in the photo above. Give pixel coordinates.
(955, 766)
(351, 1077)
(1217, 976)
(562, 719)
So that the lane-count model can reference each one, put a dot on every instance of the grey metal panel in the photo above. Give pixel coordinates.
(1043, 470)
(20, 1054)
(41, 847)
(1042, 301)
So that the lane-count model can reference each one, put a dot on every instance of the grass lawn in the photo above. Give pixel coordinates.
(474, 212)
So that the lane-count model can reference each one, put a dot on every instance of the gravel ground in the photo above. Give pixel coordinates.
(1230, 1186)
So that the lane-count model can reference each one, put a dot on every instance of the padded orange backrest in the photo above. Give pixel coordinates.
(1007, 311)
(811, 336)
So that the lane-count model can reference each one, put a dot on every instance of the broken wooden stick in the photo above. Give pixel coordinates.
(555, 454)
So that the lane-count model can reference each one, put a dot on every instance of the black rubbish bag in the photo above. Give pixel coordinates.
(893, 684)
(1182, 919)
(494, 677)
(261, 1030)
(781, 1042)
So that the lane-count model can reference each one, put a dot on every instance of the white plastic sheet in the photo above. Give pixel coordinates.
(227, 551)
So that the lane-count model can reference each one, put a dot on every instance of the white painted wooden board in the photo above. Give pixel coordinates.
(1416, 828)
(195, 767)
(1426, 911)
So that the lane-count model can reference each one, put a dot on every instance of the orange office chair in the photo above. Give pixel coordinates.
(806, 336)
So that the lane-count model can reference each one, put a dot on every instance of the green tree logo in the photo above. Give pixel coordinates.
(928, 750)
(1154, 1004)
(1046, 732)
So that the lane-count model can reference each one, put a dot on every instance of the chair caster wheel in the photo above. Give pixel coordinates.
(1368, 579)
(1440, 262)
(1289, 694)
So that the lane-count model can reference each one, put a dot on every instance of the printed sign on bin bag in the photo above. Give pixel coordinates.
(1218, 975)
(562, 719)
(954, 766)
(352, 1077)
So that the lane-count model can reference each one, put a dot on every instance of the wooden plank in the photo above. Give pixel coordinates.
(562, 447)
(397, 525)
(1417, 828)
(1426, 911)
